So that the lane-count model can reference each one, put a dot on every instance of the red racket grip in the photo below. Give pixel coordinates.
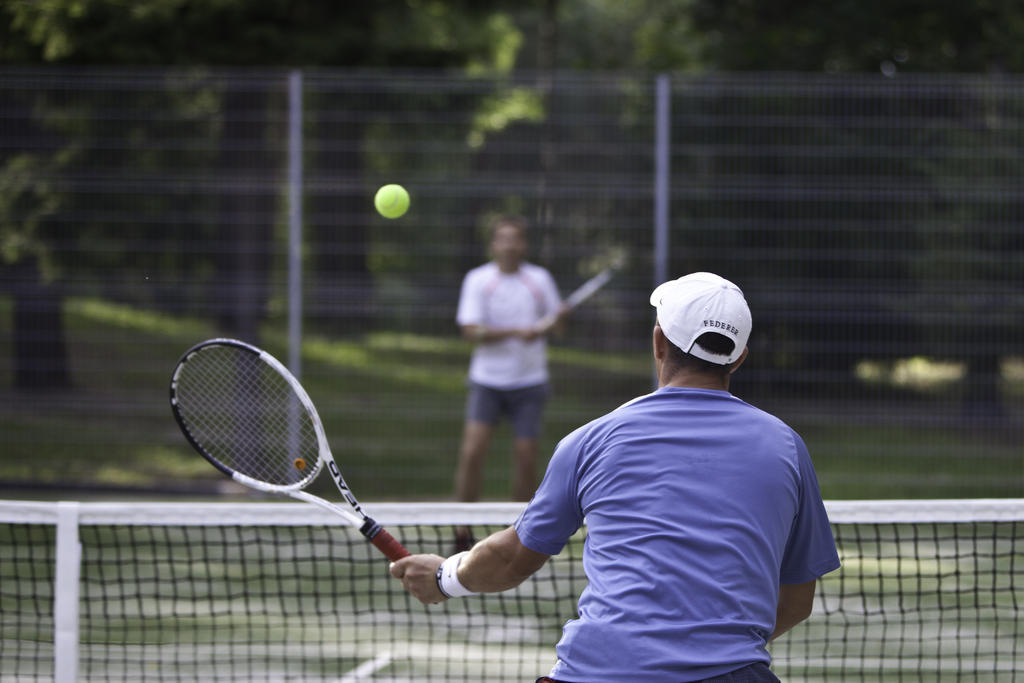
(383, 541)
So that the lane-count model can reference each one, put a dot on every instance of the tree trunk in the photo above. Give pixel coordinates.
(246, 217)
(982, 399)
(340, 282)
(547, 55)
(40, 351)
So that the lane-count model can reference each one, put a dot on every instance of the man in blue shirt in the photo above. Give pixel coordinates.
(706, 531)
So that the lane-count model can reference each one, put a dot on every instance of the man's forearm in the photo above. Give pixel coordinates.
(498, 563)
(479, 334)
(795, 603)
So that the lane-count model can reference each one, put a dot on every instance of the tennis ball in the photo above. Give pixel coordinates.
(391, 201)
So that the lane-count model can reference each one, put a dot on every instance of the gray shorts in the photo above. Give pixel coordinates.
(524, 407)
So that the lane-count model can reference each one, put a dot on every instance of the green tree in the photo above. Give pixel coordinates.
(195, 35)
(983, 236)
(850, 36)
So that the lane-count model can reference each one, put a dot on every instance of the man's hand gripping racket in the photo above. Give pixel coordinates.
(248, 415)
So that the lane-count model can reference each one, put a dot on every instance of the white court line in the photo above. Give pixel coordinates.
(367, 668)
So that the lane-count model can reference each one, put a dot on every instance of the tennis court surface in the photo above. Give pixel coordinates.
(929, 591)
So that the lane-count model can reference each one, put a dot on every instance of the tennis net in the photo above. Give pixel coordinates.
(929, 590)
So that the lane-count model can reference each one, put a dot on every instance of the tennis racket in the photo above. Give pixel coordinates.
(589, 288)
(242, 410)
(581, 294)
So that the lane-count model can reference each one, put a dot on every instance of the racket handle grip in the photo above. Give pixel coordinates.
(383, 541)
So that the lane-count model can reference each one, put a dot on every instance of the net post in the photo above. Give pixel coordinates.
(66, 594)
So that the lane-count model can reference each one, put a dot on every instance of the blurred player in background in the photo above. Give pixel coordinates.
(504, 310)
(706, 531)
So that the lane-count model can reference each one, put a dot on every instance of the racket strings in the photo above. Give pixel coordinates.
(247, 416)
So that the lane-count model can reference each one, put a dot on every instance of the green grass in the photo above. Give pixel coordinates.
(392, 407)
(889, 462)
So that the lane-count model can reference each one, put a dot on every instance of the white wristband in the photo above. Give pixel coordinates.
(448, 577)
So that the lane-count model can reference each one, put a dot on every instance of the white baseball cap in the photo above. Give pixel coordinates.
(699, 303)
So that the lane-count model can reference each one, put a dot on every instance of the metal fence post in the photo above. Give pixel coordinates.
(295, 223)
(662, 169)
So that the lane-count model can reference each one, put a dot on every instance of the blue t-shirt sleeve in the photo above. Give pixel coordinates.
(554, 513)
(811, 550)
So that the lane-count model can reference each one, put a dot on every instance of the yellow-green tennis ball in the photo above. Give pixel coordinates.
(391, 201)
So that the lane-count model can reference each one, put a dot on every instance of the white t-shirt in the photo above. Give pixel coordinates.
(505, 300)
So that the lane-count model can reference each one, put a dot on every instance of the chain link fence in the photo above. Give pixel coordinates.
(876, 226)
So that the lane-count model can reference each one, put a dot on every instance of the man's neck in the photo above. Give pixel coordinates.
(508, 268)
(684, 379)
